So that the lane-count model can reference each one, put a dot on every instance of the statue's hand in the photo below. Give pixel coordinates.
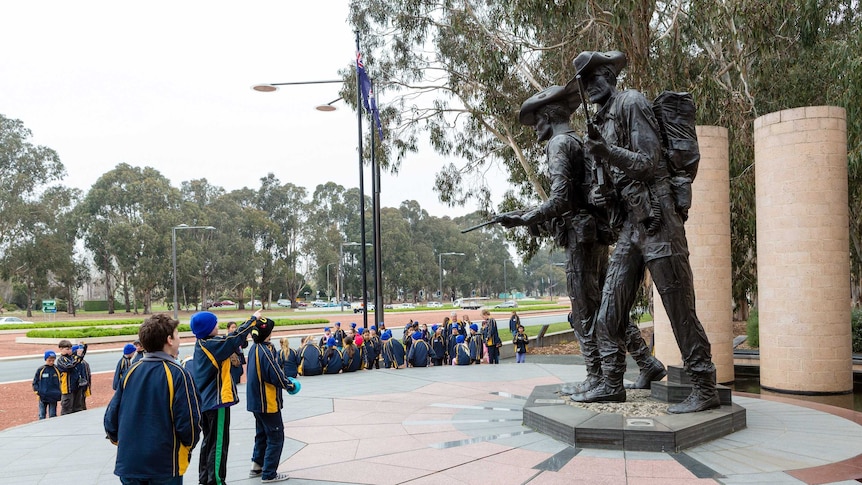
(597, 146)
(511, 219)
(597, 198)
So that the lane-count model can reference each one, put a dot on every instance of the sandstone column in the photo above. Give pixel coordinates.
(708, 232)
(803, 262)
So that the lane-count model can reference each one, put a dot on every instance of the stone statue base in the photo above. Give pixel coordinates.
(638, 425)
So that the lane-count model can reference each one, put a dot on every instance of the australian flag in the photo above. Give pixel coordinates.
(368, 99)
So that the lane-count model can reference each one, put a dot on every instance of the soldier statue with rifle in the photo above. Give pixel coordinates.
(578, 226)
(627, 140)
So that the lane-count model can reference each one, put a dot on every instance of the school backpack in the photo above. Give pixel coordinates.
(675, 113)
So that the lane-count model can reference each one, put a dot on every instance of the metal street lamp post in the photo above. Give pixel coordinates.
(174, 258)
(440, 257)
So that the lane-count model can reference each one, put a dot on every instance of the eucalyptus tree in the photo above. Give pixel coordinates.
(42, 246)
(25, 170)
(127, 215)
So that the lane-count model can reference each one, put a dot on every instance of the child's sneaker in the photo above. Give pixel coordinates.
(278, 478)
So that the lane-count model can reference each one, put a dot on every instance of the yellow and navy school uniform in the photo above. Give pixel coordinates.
(122, 366)
(310, 360)
(68, 367)
(420, 354)
(154, 419)
(211, 367)
(46, 383)
(474, 341)
(462, 354)
(288, 360)
(438, 348)
(266, 380)
(394, 354)
(211, 371)
(332, 361)
(353, 364)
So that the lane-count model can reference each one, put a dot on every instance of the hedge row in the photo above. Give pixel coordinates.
(92, 332)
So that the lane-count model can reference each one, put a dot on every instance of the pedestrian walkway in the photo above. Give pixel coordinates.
(461, 425)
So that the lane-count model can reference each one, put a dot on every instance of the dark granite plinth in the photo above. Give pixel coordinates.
(547, 413)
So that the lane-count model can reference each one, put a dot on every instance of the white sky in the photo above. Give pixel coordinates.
(168, 85)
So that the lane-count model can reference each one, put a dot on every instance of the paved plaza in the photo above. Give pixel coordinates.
(461, 425)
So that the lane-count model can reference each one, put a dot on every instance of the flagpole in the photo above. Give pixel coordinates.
(375, 211)
(361, 189)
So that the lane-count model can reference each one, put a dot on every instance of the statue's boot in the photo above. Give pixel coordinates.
(590, 382)
(651, 370)
(610, 389)
(703, 395)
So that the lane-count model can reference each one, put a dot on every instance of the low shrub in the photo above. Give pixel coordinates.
(753, 329)
(856, 329)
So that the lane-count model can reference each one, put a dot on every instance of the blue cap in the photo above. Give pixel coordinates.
(330, 342)
(374, 327)
(129, 349)
(337, 324)
(386, 335)
(360, 331)
(326, 329)
(352, 324)
(434, 327)
(459, 339)
(474, 327)
(75, 348)
(203, 323)
(49, 354)
(417, 335)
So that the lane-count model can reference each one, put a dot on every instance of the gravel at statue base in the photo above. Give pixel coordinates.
(638, 404)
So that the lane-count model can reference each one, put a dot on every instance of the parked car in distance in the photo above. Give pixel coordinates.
(222, 303)
(255, 303)
(318, 303)
(284, 302)
(435, 304)
(12, 320)
(507, 304)
(408, 305)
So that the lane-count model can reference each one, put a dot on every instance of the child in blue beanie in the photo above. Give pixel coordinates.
(332, 359)
(123, 365)
(394, 355)
(46, 385)
(420, 352)
(211, 371)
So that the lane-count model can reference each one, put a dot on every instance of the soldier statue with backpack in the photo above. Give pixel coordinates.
(650, 164)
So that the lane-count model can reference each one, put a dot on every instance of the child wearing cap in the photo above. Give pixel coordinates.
(310, 358)
(327, 332)
(367, 349)
(123, 365)
(332, 360)
(461, 352)
(211, 370)
(266, 380)
(491, 337)
(420, 352)
(394, 355)
(154, 417)
(474, 341)
(46, 385)
(339, 336)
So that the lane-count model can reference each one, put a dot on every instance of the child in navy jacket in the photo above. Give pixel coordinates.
(154, 417)
(266, 380)
(211, 370)
(46, 384)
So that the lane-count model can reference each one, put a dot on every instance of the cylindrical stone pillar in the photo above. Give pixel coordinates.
(803, 265)
(708, 233)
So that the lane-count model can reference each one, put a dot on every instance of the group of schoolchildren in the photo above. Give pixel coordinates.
(453, 342)
(161, 408)
(65, 379)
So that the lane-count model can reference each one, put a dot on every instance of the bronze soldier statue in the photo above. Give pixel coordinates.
(626, 142)
(579, 227)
